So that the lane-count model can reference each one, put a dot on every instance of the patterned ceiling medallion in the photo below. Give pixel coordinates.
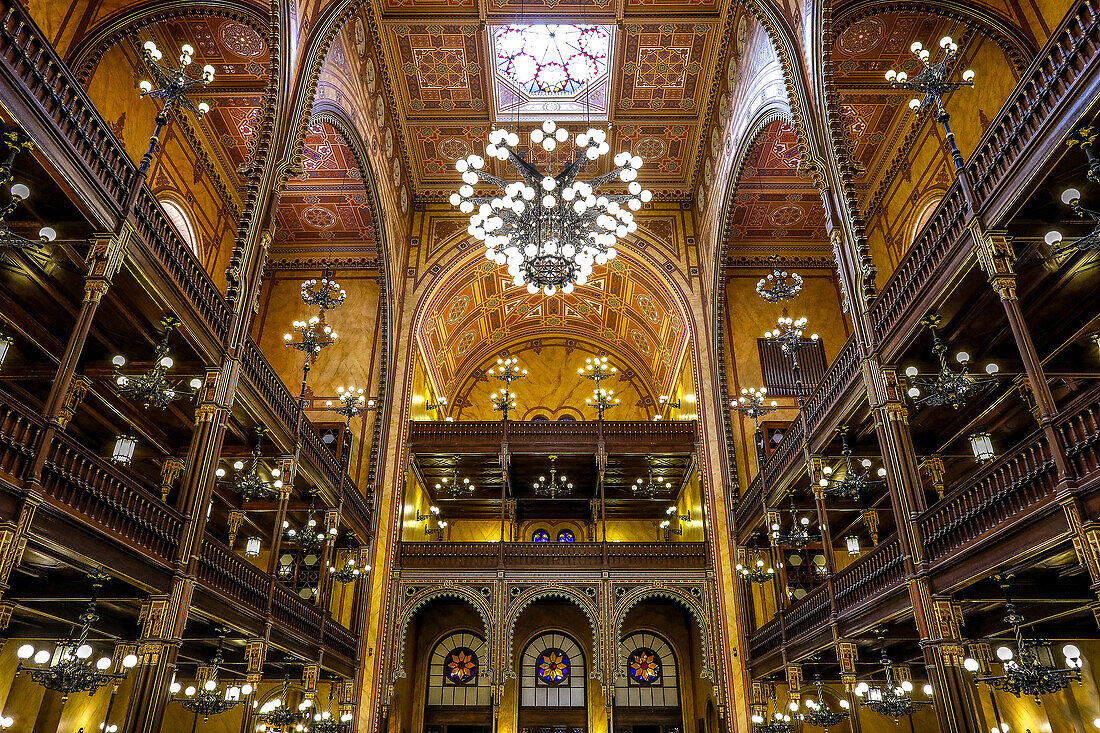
(319, 217)
(457, 308)
(651, 148)
(465, 342)
(380, 111)
(389, 143)
(786, 215)
(242, 40)
(662, 67)
(641, 342)
(648, 307)
(370, 75)
(861, 36)
(454, 148)
(440, 68)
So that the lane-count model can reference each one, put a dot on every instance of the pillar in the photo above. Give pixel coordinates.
(941, 642)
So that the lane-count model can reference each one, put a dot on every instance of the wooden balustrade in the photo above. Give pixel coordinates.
(838, 379)
(1080, 434)
(227, 572)
(40, 75)
(877, 571)
(341, 640)
(567, 437)
(296, 613)
(1000, 493)
(766, 639)
(549, 555)
(810, 613)
(18, 434)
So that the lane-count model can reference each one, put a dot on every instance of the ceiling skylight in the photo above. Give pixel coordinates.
(561, 70)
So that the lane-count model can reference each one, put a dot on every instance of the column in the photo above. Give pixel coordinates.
(1086, 544)
(941, 643)
(255, 652)
(13, 540)
(846, 654)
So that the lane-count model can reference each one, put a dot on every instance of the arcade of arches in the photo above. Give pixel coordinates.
(282, 449)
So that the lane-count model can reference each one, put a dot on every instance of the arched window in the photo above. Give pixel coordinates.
(553, 672)
(454, 671)
(566, 535)
(540, 417)
(650, 672)
(565, 418)
(181, 222)
(923, 218)
(540, 535)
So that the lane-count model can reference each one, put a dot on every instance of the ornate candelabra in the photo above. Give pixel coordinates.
(556, 486)
(818, 713)
(799, 534)
(247, 482)
(16, 141)
(70, 669)
(452, 486)
(855, 482)
(779, 284)
(757, 571)
(351, 569)
(325, 293)
(507, 371)
(209, 700)
(1091, 241)
(931, 83)
(948, 386)
(777, 722)
(1031, 670)
(276, 714)
(152, 388)
(172, 85)
(652, 486)
(597, 369)
(889, 698)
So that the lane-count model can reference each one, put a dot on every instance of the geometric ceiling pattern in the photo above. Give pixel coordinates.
(773, 203)
(327, 202)
(624, 308)
(440, 70)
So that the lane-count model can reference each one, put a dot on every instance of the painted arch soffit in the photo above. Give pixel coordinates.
(626, 307)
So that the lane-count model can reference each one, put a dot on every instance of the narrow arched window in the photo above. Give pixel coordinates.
(181, 222)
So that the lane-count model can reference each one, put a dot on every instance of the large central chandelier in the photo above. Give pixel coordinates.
(550, 229)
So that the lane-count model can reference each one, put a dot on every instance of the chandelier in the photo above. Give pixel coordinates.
(153, 389)
(452, 486)
(556, 486)
(249, 484)
(948, 387)
(309, 536)
(350, 571)
(651, 488)
(778, 722)
(779, 284)
(325, 293)
(756, 572)
(1031, 671)
(549, 229)
(799, 535)
(276, 714)
(70, 667)
(819, 714)
(209, 701)
(890, 698)
(855, 482)
(507, 371)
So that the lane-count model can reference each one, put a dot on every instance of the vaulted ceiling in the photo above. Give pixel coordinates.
(440, 68)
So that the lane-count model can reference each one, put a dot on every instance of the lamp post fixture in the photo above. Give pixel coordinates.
(1031, 670)
(152, 388)
(556, 486)
(603, 400)
(70, 668)
(597, 370)
(507, 371)
(931, 83)
(171, 85)
(855, 482)
(818, 712)
(779, 284)
(948, 386)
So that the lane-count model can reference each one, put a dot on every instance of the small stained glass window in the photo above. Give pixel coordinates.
(461, 667)
(540, 535)
(566, 535)
(644, 666)
(553, 667)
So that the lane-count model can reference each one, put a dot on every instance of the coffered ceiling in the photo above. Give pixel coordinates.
(658, 93)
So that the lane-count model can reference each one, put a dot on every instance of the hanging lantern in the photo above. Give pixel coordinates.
(982, 446)
(123, 451)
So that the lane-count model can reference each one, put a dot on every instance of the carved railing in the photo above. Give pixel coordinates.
(944, 234)
(998, 495)
(295, 613)
(1038, 100)
(225, 571)
(566, 436)
(18, 434)
(106, 497)
(837, 380)
(811, 612)
(267, 383)
(185, 270)
(32, 62)
(550, 555)
(766, 639)
(880, 569)
(341, 640)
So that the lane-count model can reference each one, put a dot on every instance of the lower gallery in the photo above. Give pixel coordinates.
(539, 366)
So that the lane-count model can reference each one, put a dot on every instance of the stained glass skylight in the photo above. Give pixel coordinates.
(559, 70)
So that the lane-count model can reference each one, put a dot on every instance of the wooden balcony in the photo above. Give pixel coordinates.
(561, 437)
(550, 556)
